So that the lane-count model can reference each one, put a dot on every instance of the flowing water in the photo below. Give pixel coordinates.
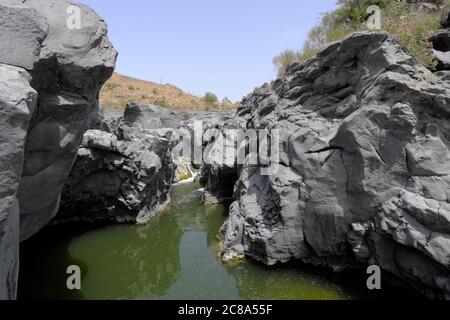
(173, 257)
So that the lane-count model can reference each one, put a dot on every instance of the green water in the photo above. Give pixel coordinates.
(173, 257)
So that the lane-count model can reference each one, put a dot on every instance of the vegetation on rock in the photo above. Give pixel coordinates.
(410, 23)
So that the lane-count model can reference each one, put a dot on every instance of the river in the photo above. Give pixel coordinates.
(173, 257)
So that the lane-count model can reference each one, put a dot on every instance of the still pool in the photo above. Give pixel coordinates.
(173, 257)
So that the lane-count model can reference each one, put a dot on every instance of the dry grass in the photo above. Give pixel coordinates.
(413, 28)
(120, 90)
(410, 24)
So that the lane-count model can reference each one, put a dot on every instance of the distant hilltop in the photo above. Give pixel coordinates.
(120, 90)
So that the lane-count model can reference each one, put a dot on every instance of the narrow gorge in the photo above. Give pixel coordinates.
(360, 176)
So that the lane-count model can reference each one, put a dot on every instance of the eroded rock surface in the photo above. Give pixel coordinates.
(119, 178)
(150, 116)
(441, 44)
(127, 165)
(49, 83)
(364, 170)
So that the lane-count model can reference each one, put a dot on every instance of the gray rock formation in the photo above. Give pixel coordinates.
(17, 102)
(125, 167)
(219, 173)
(441, 45)
(127, 164)
(151, 116)
(49, 83)
(445, 20)
(107, 121)
(218, 181)
(363, 176)
(441, 49)
(219, 170)
(119, 179)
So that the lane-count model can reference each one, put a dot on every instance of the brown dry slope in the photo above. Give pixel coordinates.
(120, 90)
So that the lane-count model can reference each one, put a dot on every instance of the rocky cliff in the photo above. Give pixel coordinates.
(126, 166)
(123, 172)
(441, 44)
(363, 175)
(49, 84)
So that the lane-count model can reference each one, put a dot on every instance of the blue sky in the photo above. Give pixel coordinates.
(222, 46)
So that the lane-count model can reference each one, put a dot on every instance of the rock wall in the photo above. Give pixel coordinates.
(364, 170)
(121, 176)
(17, 101)
(49, 83)
(126, 167)
(150, 117)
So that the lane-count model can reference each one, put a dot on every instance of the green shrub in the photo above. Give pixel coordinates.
(210, 98)
(407, 24)
(226, 101)
(162, 102)
(284, 59)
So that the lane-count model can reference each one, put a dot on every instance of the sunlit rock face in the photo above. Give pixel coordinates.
(124, 170)
(17, 102)
(49, 84)
(119, 177)
(364, 172)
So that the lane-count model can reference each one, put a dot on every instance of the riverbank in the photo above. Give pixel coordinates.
(173, 257)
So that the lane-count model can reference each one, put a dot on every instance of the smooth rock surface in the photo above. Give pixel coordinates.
(17, 102)
(72, 67)
(150, 116)
(125, 179)
(50, 80)
(443, 60)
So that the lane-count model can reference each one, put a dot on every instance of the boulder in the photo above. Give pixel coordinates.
(441, 49)
(126, 167)
(363, 173)
(116, 179)
(151, 116)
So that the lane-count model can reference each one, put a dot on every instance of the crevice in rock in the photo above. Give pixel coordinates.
(330, 148)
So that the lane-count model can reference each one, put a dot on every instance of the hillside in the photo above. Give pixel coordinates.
(120, 90)
(411, 23)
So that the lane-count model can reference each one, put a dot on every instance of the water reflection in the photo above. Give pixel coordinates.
(141, 262)
(173, 257)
